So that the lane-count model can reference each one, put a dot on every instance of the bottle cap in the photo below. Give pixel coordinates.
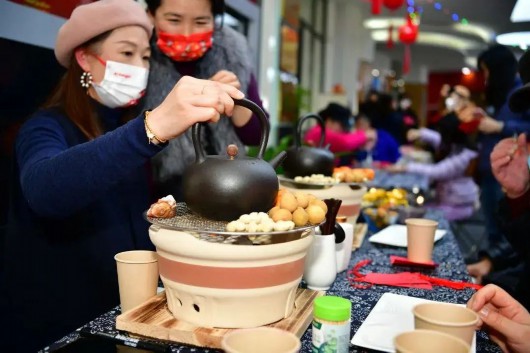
(332, 308)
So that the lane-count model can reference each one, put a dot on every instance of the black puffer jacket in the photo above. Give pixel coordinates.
(516, 229)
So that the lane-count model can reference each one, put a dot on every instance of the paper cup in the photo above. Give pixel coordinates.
(452, 319)
(261, 340)
(137, 277)
(420, 341)
(420, 239)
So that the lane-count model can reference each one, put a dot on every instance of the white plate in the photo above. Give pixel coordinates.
(391, 316)
(396, 235)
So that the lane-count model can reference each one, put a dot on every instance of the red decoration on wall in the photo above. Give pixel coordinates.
(393, 4)
(390, 40)
(376, 7)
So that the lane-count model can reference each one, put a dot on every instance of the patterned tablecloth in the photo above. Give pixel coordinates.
(446, 253)
(409, 181)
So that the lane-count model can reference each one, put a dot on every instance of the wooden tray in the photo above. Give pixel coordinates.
(153, 319)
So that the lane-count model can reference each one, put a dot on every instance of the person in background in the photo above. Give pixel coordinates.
(383, 150)
(408, 115)
(496, 122)
(80, 182)
(456, 193)
(510, 164)
(187, 41)
(506, 320)
(341, 140)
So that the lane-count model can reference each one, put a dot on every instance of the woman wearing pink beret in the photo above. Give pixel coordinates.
(80, 183)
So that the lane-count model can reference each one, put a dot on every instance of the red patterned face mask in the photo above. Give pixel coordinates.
(184, 48)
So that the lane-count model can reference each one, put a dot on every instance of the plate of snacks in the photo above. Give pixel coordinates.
(354, 176)
(315, 181)
(292, 213)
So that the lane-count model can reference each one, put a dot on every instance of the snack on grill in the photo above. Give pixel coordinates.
(258, 222)
(299, 208)
(165, 207)
(353, 175)
(316, 179)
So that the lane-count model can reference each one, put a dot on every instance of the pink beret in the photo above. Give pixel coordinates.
(90, 20)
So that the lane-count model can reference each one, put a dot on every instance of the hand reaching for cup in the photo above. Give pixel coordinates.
(506, 320)
(191, 101)
(509, 164)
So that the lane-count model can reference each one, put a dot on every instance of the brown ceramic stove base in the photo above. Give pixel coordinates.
(153, 319)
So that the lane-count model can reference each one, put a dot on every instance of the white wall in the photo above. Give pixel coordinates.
(348, 43)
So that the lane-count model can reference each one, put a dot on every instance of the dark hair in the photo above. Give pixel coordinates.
(502, 67)
(70, 98)
(339, 113)
(218, 6)
(452, 137)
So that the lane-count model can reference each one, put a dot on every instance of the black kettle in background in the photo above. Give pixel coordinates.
(306, 160)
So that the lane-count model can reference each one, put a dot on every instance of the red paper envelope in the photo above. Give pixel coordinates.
(403, 279)
(403, 261)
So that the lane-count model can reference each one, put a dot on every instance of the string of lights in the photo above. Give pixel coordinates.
(418, 6)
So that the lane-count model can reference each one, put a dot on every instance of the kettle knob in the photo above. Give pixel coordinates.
(232, 151)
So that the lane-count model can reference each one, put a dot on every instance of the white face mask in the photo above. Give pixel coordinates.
(451, 103)
(405, 104)
(122, 86)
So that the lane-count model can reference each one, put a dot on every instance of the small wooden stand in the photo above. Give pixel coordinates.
(153, 319)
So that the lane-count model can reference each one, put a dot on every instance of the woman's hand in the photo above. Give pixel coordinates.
(506, 320)
(241, 115)
(480, 269)
(488, 125)
(509, 164)
(413, 135)
(226, 77)
(189, 102)
(396, 168)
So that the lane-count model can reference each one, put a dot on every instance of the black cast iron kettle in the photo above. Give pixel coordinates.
(305, 160)
(223, 188)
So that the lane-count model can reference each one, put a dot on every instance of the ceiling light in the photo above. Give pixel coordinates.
(483, 32)
(514, 38)
(383, 22)
(521, 11)
(466, 71)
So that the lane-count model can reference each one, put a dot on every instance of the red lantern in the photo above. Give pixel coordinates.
(408, 33)
(376, 7)
(393, 4)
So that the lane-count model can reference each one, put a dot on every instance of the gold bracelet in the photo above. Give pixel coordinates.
(151, 137)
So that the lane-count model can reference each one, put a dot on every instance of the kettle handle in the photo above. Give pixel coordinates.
(298, 138)
(264, 123)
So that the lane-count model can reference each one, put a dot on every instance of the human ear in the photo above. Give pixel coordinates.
(81, 58)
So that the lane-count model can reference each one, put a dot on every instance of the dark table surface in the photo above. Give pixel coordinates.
(446, 253)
